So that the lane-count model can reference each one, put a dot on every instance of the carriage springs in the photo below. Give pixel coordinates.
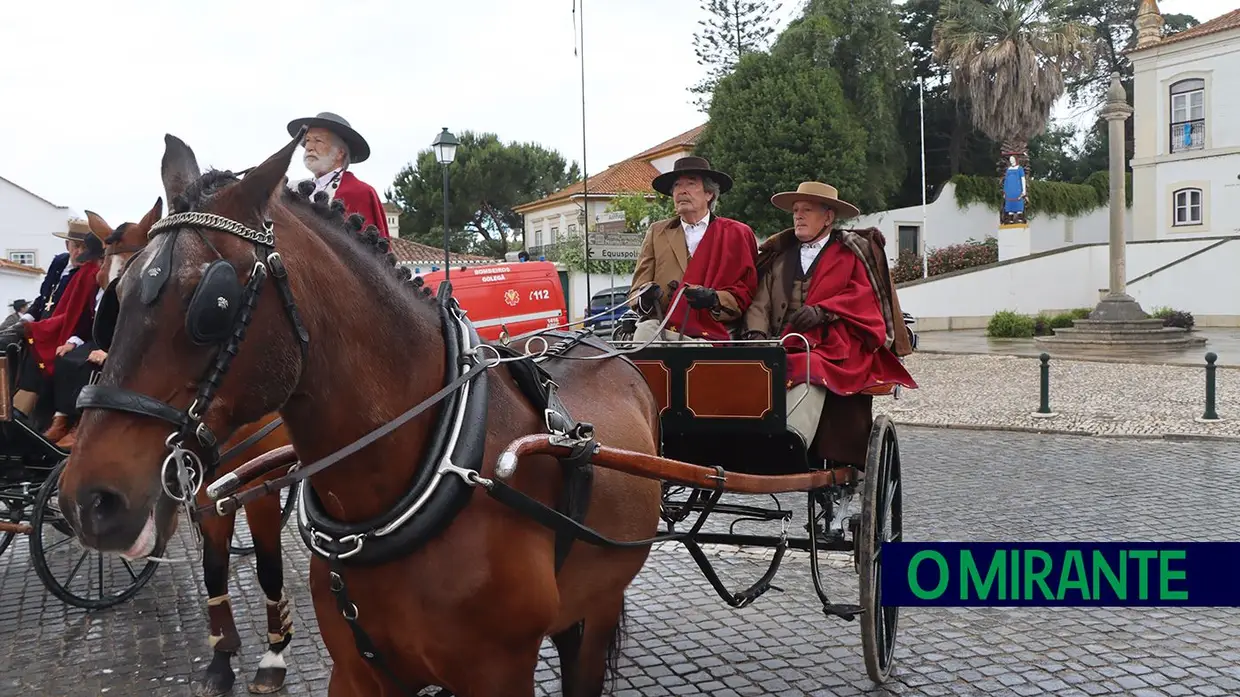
(987, 574)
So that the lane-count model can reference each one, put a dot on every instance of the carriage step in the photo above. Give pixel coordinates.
(845, 612)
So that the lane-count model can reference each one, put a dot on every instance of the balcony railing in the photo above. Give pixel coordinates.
(1188, 135)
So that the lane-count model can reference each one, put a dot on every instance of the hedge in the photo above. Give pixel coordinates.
(1052, 198)
(951, 258)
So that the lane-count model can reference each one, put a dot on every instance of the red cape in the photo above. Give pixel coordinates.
(360, 197)
(847, 355)
(726, 259)
(48, 334)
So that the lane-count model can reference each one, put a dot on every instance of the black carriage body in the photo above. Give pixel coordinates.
(724, 406)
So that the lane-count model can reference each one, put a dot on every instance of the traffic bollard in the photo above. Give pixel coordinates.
(1211, 414)
(1044, 407)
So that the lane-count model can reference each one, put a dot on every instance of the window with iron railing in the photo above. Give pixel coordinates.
(1188, 115)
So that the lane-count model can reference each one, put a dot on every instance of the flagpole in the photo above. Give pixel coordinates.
(921, 107)
(585, 181)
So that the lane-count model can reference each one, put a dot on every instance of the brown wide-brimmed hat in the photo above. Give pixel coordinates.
(78, 231)
(690, 165)
(818, 193)
(359, 150)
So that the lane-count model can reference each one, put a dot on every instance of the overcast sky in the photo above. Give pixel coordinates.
(88, 89)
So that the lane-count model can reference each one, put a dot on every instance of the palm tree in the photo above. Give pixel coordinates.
(1011, 60)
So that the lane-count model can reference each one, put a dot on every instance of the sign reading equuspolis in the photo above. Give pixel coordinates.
(1067, 574)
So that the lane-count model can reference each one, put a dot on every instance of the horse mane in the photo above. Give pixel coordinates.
(300, 200)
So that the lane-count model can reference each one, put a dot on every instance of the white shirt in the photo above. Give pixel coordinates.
(320, 184)
(810, 252)
(695, 232)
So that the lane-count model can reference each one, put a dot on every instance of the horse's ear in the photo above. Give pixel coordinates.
(152, 216)
(98, 225)
(179, 167)
(261, 183)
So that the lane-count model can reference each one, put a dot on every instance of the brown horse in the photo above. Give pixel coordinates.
(463, 592)
(263, 515)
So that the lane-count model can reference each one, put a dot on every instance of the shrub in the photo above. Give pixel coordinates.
(954, 257)
(1174, 318)
(1010, 325)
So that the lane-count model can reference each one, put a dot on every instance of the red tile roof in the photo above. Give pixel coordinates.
(409, 252)
(22, 268)
(1231, 20)
(630, 175)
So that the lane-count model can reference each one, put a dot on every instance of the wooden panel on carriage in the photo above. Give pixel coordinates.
(723, 406)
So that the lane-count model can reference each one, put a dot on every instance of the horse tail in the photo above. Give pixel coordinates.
(615, 648)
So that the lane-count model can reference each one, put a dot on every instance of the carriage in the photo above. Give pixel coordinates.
(30, 466)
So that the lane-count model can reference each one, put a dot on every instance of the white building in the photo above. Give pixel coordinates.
(27, 222)
(1186, 128)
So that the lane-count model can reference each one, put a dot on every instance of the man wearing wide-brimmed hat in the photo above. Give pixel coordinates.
(714, 257)
(331, 145)
(59, 272)
(830, 286)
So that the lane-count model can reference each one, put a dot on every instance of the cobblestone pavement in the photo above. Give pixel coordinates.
(684, 641)
(1091, 397)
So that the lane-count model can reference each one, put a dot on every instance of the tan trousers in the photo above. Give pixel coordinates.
(647, 329)
(802, 419)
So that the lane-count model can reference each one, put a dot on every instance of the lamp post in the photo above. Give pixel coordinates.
(445, 152)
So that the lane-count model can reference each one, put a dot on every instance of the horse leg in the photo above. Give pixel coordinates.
(224, 639)
(568, 646)
(264, 518)
(598, 650)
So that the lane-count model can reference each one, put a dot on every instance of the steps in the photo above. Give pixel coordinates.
(1122, 334)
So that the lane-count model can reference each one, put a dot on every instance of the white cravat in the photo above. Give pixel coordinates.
(810, 252)
(694, 232)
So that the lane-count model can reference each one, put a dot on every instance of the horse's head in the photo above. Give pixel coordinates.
(122, 243)
(202, 344)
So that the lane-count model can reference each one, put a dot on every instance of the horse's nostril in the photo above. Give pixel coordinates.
(103, 509)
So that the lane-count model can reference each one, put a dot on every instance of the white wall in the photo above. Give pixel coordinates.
(17, 284)
(1215, 168)
(27, 223)
(1206, 284)
(1059, 281)
(948, 224)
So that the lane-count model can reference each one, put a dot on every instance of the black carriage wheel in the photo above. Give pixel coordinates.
(45, 517)
(882, 520)
(286, 512)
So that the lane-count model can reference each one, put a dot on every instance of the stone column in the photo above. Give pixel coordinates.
(1117, 305)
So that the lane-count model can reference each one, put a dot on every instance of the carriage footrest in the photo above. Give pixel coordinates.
(845, 612)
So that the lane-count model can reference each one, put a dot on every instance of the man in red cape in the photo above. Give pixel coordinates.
(331, 145)
(826, 285)
(714, 257)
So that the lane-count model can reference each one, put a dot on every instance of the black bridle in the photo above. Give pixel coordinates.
(188, 470)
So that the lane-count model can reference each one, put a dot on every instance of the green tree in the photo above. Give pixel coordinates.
(778, 120)
(1011, 59)
(639, 206)
(731, 29)
(487, 179)
(861, 41)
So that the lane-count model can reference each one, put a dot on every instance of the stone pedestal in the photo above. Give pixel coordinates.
(1015, 241)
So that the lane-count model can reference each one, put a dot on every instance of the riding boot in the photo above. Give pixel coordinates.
(70, 438)
(59, 428)
(25, 401)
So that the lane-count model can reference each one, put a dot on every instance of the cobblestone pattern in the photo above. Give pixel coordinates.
(684, 641)
(1098, 398)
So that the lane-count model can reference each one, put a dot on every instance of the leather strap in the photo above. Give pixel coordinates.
(120, 399)
(249, 442)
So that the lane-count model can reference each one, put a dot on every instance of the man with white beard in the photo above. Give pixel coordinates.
(331, 145)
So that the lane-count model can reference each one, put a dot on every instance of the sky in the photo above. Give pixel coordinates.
(88, 89)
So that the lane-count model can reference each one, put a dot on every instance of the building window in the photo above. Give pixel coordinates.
(555, 234)
(1188, 115)
(23, 256)
(1187, 207)
(909, 239)
(538, 238)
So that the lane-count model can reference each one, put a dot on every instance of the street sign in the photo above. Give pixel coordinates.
(611, 241)
(610, 222)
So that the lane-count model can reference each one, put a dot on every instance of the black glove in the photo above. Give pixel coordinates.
(806, 318)
(625, 326)
(702, 298)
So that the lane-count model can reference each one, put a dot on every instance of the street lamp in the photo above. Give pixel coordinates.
(445, 152)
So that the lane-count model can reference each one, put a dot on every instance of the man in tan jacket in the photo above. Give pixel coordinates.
(714, 257)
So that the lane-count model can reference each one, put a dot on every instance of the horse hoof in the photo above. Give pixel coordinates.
(267, 681)
(214, 685)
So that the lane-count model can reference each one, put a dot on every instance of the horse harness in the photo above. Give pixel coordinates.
(219, 314)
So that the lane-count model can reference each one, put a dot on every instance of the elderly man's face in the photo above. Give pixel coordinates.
(690, 197)
(809, 218)
(323, 153)
(74, 248)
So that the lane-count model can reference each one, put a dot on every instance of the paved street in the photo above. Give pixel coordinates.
(685, 641)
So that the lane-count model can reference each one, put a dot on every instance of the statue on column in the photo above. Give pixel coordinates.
(1015, 194)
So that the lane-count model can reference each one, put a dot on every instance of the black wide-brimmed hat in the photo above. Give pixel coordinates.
(358, 149)
(690, 165)
(93, 251)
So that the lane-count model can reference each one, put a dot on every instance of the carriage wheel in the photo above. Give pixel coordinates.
(881, 522)
(245, 546)
(104, 579)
